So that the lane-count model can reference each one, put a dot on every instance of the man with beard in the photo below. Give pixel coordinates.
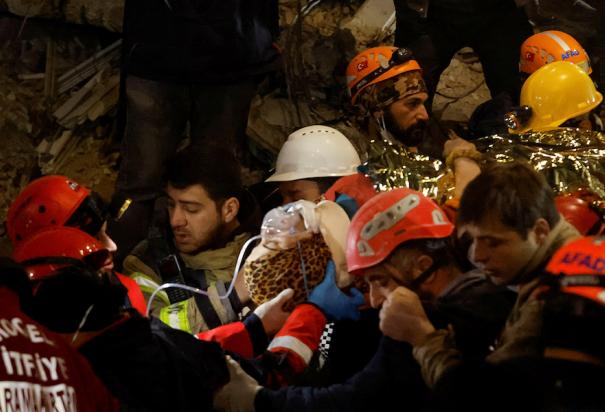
(389, 93)
(197, 242)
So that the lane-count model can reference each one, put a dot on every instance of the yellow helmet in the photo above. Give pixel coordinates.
(555, 93)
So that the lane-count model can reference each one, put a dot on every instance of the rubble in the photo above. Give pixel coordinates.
(58, 93)
(59, 120)
(373, 22)
(107, 13)
(460, 90)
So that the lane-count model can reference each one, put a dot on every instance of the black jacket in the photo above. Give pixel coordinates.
(524, 384)
(475, 307)
(201, 41)
(391, 378)
(151, 367)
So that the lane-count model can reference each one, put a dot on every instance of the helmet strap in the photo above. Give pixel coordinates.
(415, 284)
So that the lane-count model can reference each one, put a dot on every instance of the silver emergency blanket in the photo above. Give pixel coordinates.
(570, 159)
(391, 165)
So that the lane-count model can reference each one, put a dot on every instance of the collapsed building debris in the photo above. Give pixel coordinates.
(64, 108)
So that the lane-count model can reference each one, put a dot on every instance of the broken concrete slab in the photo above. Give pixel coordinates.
(373, 21)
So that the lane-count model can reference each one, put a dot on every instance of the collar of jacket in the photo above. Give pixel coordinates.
(558, 236)
(219, 262)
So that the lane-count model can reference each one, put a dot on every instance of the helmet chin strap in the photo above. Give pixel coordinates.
(423, 277)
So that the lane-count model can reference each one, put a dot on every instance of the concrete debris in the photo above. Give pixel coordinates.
(89, 67)
(106, 13)
(17, 160)
(460, 90)
(273, 117)
(69, 131)
(373, 22)
(14, 102)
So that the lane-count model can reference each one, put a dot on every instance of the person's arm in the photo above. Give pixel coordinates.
(376, 387)
(299, 338)
(462, 157)
(403, 318)
(250, 337)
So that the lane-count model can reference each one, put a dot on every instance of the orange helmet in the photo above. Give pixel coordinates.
(375, 65)
(578, 212)
(549, 46)
(579, 268)
(54, 247)
(389, 219)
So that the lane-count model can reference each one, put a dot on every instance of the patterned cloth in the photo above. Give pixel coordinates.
(381, 95)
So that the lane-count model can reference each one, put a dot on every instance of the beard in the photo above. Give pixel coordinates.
(410, 137)
(213, 238)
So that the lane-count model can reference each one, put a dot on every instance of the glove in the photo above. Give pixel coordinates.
(336, 304)
(239, 394)
(272, 313)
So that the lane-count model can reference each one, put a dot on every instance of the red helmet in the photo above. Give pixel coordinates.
(47, 201)
(581, 264)
(38, 252)
(389, 219)
(577, 212)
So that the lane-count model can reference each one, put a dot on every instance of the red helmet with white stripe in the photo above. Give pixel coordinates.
(389, 219)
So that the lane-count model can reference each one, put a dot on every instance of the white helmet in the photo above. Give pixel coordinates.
(315, 151)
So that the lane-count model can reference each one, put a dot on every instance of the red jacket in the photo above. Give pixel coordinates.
(296, 341)
(38, 370)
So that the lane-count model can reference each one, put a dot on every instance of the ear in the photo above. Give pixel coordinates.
(423, 262)
(230, 209)
(541, 230)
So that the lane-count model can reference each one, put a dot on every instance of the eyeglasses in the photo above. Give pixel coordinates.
(399, 57)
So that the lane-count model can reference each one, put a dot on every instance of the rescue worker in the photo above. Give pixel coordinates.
(536, 51)
(387, 89)
(319, 162)
(399, 238)
(573, 304)
(551, 46)
(566, 377)
(414, 250)
(39, 370)
(56, 200)
(145, 363)
(515, 229)
(209, 218)
(186, 63)
(559, 94)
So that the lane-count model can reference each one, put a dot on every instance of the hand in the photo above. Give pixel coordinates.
(238, 395)
(455, 142)
(336, 304)
(402, 317)
(272, 313)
